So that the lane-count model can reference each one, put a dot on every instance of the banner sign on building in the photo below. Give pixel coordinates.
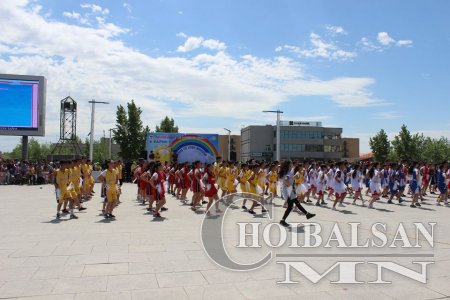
(182, 147)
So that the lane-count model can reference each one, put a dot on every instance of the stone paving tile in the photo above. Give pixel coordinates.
(12, 262)
(91, 259)
(89, 242)
(110, 249)
(264, 288)
(132, 282)
(151, 267)
(43, 250)
(356, 293)
(73, 250)
(124, 295)
(50, 297)
(146, 248)
(19, 244)
(105, 269)
(27, 288)
(405, 291)
(214, 291)
(46, 261)
(167, 256)
(310, 294)
(46, 272)
(4, 253)
(439, 285)
(127, 257)
(180, 279)
(193, 265)
(160, 294)
(21, 273)
(81, 285)
(223, 276)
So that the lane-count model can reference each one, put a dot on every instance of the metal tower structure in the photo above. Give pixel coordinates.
(67, 145)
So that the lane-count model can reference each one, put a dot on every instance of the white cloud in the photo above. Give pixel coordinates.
(213, 44)
(191, 43)
(384, 39)
(107, 29)
(127, 6)
(76, 16)
(180, 12)
(368, 45)
(404, 43)
(336, 29)
(386, 115)
(93, 63)
(95, 8)
(195, 42)
(321, 49)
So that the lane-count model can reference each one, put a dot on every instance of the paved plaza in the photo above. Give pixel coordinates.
(139, 257)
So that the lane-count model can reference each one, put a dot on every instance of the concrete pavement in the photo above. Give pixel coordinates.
(138, 257)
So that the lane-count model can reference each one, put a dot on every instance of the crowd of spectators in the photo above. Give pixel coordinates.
(26, 172)
(40, 172)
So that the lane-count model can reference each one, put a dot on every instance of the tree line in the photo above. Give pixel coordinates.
(410, 147)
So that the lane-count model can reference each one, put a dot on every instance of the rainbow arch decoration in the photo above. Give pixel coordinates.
(187, 147)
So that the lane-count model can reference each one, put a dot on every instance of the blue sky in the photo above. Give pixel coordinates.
(360, 65)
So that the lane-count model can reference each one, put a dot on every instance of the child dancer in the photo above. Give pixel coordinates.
(355, 179)
(375, 185)
(288, 191)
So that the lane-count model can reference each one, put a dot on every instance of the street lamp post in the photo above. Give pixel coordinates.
(91, 142)
(110, 142)
(229, 143)
(278, 112)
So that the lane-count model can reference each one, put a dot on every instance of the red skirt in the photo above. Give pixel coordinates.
(211, 192)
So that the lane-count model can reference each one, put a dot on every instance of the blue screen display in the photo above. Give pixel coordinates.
(17, 106)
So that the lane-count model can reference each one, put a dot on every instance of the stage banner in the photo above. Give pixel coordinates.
(182, 146)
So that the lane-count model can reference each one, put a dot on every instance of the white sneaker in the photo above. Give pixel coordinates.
(438, 204)
(341, 205)
(334, 208)
(370, 206)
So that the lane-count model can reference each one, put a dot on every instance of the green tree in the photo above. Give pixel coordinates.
(417, 147)
(392, 156)
(167, 125)
(403, 144)
(380, 146)
(16, 152)
(130, 133)
(436, 150)
(36, 150)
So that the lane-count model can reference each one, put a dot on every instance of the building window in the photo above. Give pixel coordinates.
(289, 134)
(333, 148)
(314, 148)
(331, 136)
